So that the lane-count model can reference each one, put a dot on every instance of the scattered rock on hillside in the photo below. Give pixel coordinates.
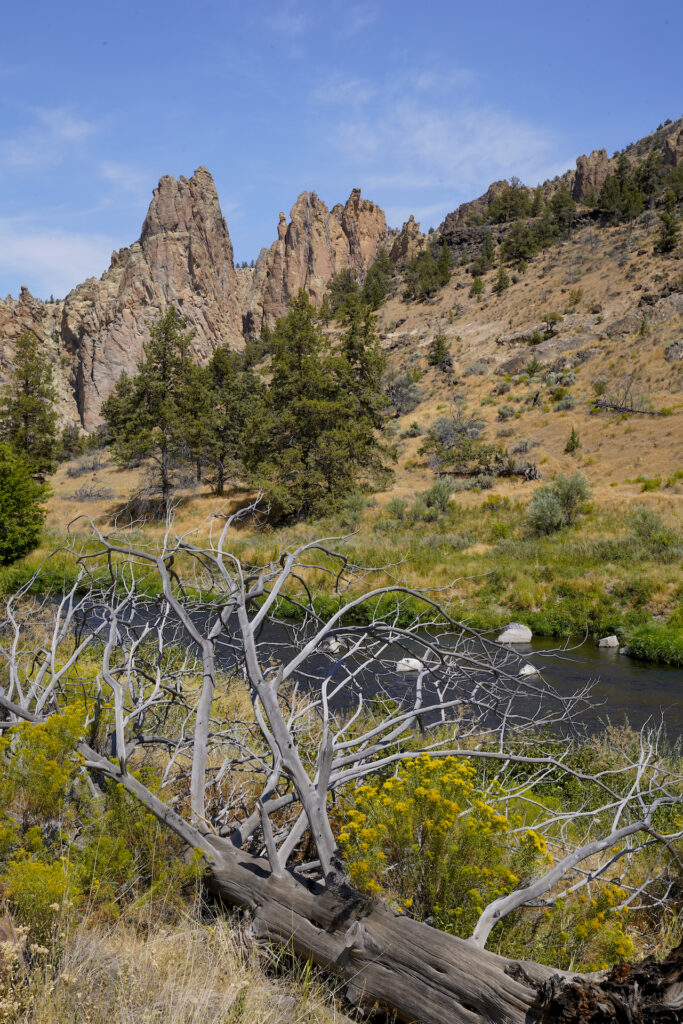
(662, 310)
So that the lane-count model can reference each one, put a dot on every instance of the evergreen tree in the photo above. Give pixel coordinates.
(28, 418)
(21, 512)
(341, 289)
(439, 351)
(486, 257)
(422, 276)
(195, 407)
(573, 442)
(316, 438)
(537, 203)
(376, 285)
(502, 280)
(477, 288)
(631, 202)
(563, 206)
(148, 415)
(236, 398)
(669, 232)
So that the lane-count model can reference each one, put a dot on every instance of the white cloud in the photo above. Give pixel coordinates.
(357, 18)
(125, 177)
(288, 19)
(51, 262)
(422, 133)
(48, 140)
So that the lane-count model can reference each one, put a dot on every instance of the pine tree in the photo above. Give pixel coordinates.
(439, 351)
(486, 258)
(563, 207)
(376, 285)
(538, 202)
(315, 440)
(237, 395)
(148, 416)
(573, 442)
(669, 232)
(21, 512)
(28, 418)
(502, 280)
(444, 265)
(477, 288)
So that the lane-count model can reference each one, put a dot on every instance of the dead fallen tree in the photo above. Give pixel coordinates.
(175, 630)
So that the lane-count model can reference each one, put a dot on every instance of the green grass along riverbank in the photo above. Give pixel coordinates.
(614, 571)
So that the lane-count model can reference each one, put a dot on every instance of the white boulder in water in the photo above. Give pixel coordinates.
(609, 641)
(333, 645)
(528, 670)
(515, 633)
(407, 665)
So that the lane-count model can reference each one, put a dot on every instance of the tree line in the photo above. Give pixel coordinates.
(303, 427)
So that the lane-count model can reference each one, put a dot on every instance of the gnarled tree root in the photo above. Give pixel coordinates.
(645, 993)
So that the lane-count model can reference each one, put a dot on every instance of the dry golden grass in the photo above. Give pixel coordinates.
(196, 973)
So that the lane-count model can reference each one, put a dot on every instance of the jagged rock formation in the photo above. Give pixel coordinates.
(42, 319)
(315, 245)
(673, 149)
(590, 175)
(184, 256)
(407, 244)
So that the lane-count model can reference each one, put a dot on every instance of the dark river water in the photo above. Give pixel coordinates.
(624, 690)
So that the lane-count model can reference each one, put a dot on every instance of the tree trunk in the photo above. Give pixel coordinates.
(422, 974)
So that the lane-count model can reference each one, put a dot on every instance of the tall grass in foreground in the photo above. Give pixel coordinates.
(193, 972)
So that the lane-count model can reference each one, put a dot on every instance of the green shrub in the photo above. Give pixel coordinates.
(439, 494)
(545, 511)
(655, 642)
(558, 504)
(21, 512)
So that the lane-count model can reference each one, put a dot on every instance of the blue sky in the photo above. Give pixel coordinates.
(421, 105)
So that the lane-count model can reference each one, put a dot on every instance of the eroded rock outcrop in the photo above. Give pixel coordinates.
(591, 174)
(407, 244)
(673, 149)
(316, 244)
(184, 256)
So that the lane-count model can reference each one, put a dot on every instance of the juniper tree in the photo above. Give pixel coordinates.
(148, 416)
(28, 417)
(669, 232)
(376, 284)
(21, 512)
(316, 437)
(236, 395)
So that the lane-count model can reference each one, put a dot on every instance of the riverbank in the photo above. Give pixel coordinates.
(615, 571)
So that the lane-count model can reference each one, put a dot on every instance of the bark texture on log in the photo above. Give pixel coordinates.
(428, 976)
(644, 993)
(423, 974)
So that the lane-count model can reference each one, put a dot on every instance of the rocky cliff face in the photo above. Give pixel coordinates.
(590, 175)
(316, 244)
(407, 244)
(184, 256)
